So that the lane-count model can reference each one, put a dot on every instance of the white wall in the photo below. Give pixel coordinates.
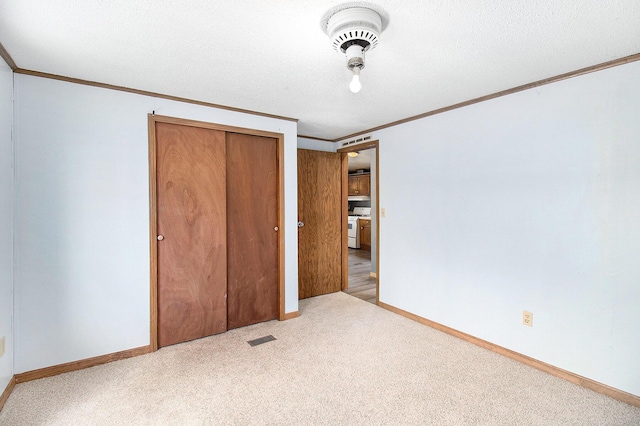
(529, 201)
(6, 223)
(82, 217)
(316, 145)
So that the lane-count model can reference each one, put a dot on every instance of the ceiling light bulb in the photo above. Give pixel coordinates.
(352, 154)
(355, 84)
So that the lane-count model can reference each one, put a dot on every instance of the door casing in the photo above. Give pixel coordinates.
(345, 202)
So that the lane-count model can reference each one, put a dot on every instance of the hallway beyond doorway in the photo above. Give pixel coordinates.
(361, 284)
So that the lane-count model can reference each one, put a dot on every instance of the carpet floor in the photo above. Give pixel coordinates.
(343, 361)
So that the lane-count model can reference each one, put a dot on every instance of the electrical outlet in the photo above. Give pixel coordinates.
(527, 318)
(383, 212)
(1, 346)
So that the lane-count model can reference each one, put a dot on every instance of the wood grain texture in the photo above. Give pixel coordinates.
(153, 231)
(192, 257)
(7, 391)
(290, 315)
(353, 185)
(153, 119)
(80, 364)
(376, 214)
(360, 184)
(252, 239)
(358, 146)
(345, 216)
(365, 234)
(364, 184)
(531, 362)
(281, 233)
(320, 208)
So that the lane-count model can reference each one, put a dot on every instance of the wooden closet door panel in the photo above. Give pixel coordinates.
(192, 256)
(252, 208)
(320, 209)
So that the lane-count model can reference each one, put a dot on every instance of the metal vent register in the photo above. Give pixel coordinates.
(261, 340)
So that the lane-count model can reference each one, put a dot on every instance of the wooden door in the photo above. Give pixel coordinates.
(192, 256)
(252, 235)
(320, 209)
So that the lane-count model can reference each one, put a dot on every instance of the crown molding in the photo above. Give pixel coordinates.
(571, 74)
(147, 93)
(7, 58)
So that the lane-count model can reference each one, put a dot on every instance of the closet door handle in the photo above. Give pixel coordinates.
(160, 237)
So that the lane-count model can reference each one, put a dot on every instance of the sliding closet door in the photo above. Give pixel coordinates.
(252, 220)
(192, 233)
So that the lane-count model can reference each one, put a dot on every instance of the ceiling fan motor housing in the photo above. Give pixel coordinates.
(354, 31)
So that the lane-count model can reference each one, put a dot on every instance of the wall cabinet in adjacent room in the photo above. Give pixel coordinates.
(360, 184)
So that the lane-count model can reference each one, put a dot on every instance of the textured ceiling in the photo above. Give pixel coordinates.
(362, 161)
(274, 57)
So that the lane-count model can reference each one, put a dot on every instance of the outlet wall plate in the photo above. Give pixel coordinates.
(527, 318)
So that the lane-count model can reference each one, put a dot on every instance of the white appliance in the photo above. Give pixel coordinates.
(353, 225)
(353, 232)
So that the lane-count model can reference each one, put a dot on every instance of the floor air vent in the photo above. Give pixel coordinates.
(261, 340)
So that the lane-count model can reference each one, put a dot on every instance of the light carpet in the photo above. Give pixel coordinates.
(343, 362)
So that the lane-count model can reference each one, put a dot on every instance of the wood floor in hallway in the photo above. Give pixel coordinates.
(361, 284)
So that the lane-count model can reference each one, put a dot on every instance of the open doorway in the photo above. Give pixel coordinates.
(361, 207)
